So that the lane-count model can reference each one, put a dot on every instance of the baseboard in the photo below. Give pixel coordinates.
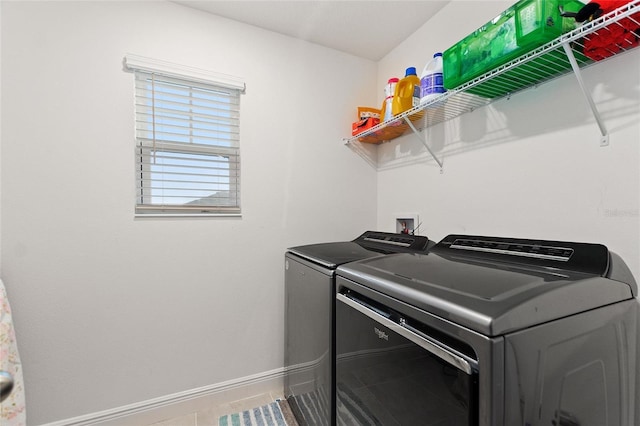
(181, 403)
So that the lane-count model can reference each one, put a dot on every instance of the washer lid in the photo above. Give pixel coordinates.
(369, 244)
(330, 255)
(489, 295)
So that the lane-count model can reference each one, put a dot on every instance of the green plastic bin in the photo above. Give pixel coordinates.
(526, 25)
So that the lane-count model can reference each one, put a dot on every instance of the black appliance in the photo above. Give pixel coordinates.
(309, 316)
(488, 331)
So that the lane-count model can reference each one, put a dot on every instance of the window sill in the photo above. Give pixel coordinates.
(184, 215)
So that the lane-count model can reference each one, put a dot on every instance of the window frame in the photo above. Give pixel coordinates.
(148, 147)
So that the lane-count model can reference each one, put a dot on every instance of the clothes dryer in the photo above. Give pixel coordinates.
(488, 331)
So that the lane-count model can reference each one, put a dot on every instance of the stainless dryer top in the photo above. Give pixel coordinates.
(492, 290)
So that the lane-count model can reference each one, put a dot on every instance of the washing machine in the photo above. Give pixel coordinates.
(309, 316)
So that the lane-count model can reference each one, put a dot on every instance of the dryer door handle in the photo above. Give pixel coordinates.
(433, 347)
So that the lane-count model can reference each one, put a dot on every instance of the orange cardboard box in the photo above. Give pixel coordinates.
(362, 125)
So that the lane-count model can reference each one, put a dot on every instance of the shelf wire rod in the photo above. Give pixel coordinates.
(576, 70)
(423, 140)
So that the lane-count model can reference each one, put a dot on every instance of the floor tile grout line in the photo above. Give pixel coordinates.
(214, 413)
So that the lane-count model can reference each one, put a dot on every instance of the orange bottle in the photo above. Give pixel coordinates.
(407, 93)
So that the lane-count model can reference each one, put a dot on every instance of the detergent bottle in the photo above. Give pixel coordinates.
(407, 93)
(387, 105)
(431, 80)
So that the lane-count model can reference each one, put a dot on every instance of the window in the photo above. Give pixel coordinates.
(187, 154)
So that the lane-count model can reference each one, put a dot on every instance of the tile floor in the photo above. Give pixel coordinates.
(210, 417)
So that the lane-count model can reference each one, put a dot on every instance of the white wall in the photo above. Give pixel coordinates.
(526, 167)
(112, 310)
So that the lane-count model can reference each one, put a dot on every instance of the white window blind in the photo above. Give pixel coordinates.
(187, 153)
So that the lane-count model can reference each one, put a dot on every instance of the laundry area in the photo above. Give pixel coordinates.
(320, 213)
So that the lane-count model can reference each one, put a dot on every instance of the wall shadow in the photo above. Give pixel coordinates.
(553, 106)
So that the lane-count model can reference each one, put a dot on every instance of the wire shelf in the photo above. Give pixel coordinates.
(542, 64)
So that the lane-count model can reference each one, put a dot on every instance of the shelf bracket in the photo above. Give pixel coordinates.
(423, 140)
(604, 139)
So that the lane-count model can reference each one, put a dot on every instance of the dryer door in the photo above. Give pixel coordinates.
(389, 372)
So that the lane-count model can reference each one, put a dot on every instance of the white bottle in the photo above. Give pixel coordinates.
(387, 106)
(431, 80)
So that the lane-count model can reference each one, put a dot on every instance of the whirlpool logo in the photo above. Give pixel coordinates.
(381, 334)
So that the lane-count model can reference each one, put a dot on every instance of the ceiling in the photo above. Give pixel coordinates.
(368, 29)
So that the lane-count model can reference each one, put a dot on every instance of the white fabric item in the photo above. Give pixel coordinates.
(13, 409)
